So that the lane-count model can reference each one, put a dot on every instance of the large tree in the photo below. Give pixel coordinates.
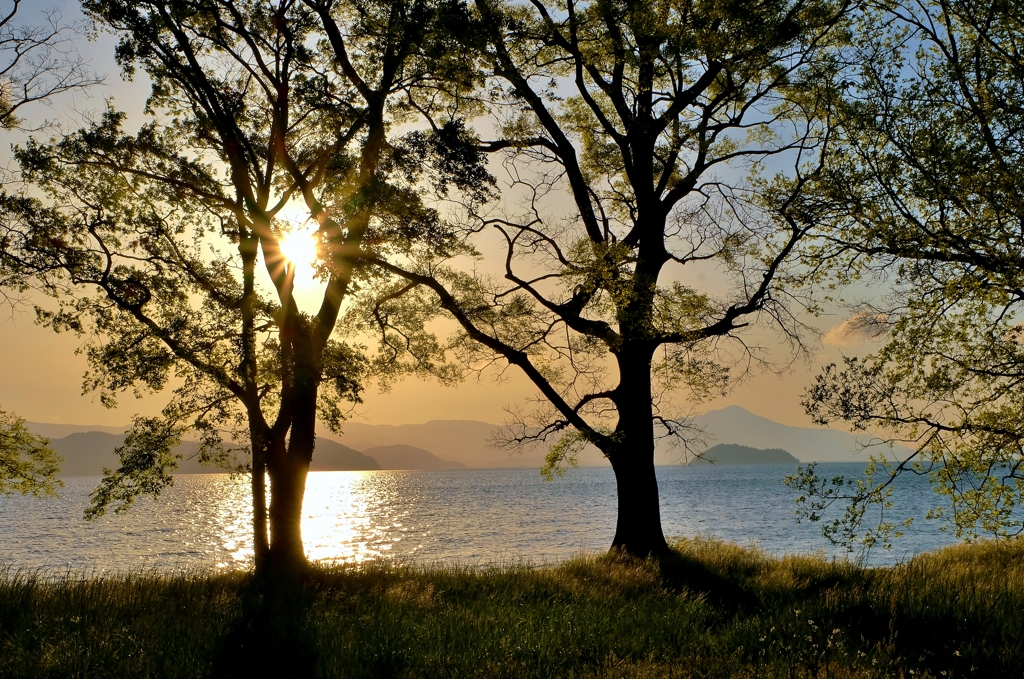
(153, 243)
(641, 141)
(924, 191)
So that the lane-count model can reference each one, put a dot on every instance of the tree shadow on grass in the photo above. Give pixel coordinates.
(269, 639)
(680, 572)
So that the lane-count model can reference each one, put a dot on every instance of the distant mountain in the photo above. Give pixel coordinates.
(730, 453)
(409, 457)
(88, 449)
(56, 431)
(331, 456)
(465, 441)
(87, 453)
(469, 441)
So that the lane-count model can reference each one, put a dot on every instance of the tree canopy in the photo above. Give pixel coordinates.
(924, 190)
(37, 64)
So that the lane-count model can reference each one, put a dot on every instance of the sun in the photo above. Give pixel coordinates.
(299, 247)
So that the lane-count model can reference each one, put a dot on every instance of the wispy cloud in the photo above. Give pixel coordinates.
(863, 325)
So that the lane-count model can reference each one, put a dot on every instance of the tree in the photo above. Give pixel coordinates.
(627, 129)
(152, 243)
(923, 189)
(27, 463)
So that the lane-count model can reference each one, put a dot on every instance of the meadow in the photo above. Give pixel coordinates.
(713, 610)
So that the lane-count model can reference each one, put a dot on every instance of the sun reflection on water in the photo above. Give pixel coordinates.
(232, 518)
(347, 517)
(350, 517)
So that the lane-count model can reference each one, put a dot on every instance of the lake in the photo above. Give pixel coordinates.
(475, 516)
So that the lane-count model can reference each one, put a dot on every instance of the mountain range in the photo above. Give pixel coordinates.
(403, 456)
(86, 453)
(469, 441)
(454, 444)
(808, 444)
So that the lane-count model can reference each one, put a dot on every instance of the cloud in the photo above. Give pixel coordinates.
(862, 326)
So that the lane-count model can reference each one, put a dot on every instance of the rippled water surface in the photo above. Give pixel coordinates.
(465, 516)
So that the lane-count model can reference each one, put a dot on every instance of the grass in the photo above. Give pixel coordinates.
(716, 610)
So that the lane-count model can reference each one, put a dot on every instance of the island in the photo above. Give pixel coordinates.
(731, 453)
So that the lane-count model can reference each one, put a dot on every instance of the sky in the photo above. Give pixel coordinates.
(41, 380)
(41, 374)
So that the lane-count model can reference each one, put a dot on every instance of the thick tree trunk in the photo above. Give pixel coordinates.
(287, 490)
(289, 466)
(638, 527)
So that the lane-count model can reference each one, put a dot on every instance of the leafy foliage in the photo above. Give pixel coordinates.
(27, 463)
(923, 190)
(146, 466)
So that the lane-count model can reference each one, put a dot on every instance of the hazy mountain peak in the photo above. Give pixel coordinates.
(330, 455)
(734, 424)
(56, 431)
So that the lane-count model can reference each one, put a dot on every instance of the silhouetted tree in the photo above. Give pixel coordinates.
(924, 192)
(153, 243)
(640, 139)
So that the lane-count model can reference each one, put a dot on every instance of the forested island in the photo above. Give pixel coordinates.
(730, 453)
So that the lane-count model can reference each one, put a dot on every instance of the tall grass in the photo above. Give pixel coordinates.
(714, 610)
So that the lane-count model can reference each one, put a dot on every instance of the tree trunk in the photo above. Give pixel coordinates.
(287, 490)
(638, 527)
(248, 248)
(261, 547)
(290, 466)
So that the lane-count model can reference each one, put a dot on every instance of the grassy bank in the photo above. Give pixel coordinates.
(715, 611)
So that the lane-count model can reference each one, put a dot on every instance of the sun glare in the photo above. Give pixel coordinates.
(299, 248)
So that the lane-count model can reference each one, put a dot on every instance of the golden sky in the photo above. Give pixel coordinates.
(41, 380)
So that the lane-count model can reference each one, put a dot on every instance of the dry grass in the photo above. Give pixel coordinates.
(715, 610)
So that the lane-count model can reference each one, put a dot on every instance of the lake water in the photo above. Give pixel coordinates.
(461, 516)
